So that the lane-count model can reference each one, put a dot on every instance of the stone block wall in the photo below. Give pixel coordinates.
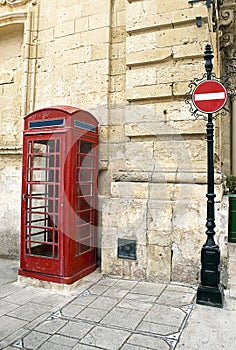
(129, 63)
(11, 74)
(158, 194)
(73, 53)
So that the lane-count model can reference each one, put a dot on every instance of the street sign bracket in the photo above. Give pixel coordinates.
(196, 113)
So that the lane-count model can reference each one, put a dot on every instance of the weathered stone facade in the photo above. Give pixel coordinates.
(128, 62)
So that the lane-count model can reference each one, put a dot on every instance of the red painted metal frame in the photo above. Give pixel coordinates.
(69, 258)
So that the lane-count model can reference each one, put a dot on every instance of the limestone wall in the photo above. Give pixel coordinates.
(129, 62)
(11, 76)
(157, 155)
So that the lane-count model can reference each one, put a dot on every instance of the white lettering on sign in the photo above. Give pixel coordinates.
(210, 96)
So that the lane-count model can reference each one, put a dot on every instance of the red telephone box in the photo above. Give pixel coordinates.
(59, 195)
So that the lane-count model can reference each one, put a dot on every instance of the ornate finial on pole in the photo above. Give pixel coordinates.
(208, 58)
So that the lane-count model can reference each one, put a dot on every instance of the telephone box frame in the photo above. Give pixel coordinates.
(59, 195)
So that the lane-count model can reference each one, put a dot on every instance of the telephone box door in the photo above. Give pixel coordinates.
(85, 203)
(41, 248)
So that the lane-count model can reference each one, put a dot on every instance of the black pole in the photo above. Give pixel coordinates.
(210, 160)
(210, 291)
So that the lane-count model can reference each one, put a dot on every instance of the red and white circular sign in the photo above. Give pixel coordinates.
(209, 96)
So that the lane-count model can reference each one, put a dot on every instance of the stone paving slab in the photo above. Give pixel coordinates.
(52, 346)
(115, 292)
(176, 298)
(51, 326)
(140, 298)
(106, 338)
(104, 303)
(9, 325)
(63, 340)
(148, 342)
(29, 311)
(91, 314)
(72, 309)
(124, 318)
(76, 329)
(7, 289)
(13, 337)
(134, 305)
(148, 288)
(111, 314)
(34, 339)
(38, 320)
(157, 328)
(23, 295)
(6, 307)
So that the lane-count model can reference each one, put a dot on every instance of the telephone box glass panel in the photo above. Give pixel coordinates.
(42, 198)
(85, 206)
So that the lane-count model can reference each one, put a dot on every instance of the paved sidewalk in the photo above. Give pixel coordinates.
(109, 313)
(210, 328)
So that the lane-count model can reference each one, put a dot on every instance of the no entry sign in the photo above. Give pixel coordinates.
(209, 96)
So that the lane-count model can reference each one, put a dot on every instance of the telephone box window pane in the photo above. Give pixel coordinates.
(37, 204)
(57, 161)
(86, 175)
(85, 190)
(39, 190)
(85, 147)
(86, 161)
(41, 243)
(84, 231)
(50, 176)
(50, 163)
(85, 245)
(56, 251)
(44, 146)
(84, 217)
(39, 175)
(50, 191)
(55, 220)
(41, 249)
(39, 220)
(57, 176)
(39, 161)
(40, 146)
(56, 191)
(58, 146)
(83, 203)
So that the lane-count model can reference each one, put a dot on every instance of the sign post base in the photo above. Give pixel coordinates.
(210, 296)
